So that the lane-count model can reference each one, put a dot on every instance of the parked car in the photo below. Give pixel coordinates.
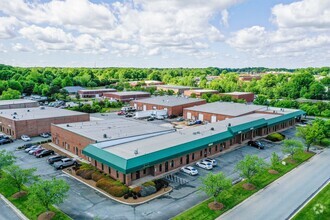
(25, 137)
(190, 170)
(204, 165)
(172, 116)
(180, 119)
(35, 149)
(65, 162)
(160, 117)
(44, 153)
(151, 118)
(198, 122)
(25, 146)
(256, 144)
(129, 115)
(209, 160)
(191, 123)
(5, 140)
(121, 113)
(44, 135)
(55, 158)
(31, 148)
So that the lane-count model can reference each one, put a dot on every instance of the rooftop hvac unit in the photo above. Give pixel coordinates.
(136, 152)
(212, 129)
(15, 113)
(105, 136)
(42, 107)
(229, 124)
(28, 110)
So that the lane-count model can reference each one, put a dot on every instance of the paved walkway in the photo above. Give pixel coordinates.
(284, 196)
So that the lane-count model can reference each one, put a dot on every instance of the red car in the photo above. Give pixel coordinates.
(121, 113)
(38, 151)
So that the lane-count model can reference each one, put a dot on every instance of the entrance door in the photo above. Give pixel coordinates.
(201, 117)
(138, 174)
(166, 166)
(187, 158)
(188, 115)
(213, 119)
(144, 108)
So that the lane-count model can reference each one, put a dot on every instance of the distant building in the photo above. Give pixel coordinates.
(247, 96)
(126, 96)
(33, 121)
(94, 93)
(73, 89)
(146, 83)
(173, 104)
(174, 88)
(18, 103)
(249, 77)
(199, 92)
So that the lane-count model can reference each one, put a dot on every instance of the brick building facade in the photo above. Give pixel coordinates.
(247, 96)
(126, 96)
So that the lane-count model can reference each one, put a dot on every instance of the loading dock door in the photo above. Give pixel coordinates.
(201, 117)
(213, 119)
(144, 108)
(188, 115)
(135, 105)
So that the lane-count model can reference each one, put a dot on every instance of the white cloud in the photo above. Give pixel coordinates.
(8, 26)
(3, 49)
(20, 48)
(224, 17)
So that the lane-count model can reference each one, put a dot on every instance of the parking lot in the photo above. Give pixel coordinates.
(85, 203)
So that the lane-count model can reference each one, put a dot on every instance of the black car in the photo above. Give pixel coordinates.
(45, 153)
(55, 158)
(25, 146)
(256, 144)
(5, 140)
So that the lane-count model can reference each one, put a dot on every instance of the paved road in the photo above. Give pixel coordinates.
(6, 213)
(282, 197)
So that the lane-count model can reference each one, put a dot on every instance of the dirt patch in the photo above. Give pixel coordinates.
(46, 216)
(273, 171)
(291, 161)
(215, 206)
(248, 186)
(19, 194)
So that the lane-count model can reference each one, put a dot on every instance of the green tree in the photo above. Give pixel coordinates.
(313, 133)
(214, 184)
(275, 161)
(10, 94)
(261, 100)
(250, 166)
(292, 147)
(6, 159)
(49, 192)
(19, 176)
(193, 95)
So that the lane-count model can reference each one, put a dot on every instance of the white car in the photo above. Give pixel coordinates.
(189, 170)
(209, 160)
(25, 138)
(204, 165)
(44, 135)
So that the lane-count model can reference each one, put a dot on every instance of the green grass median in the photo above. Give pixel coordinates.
(236, 194)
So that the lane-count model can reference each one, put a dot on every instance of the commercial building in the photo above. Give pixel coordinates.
(247, 96)
(73, 89)
(18, 103)
(199, 92)
(173, 104)
(157, 155)
(218, 111)
(249, 78)
(174, 88)
(146, 83)
(75, 137)
(126, 96)
(33, 121)
(94, 93)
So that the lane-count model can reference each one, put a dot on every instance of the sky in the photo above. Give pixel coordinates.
(165, 33)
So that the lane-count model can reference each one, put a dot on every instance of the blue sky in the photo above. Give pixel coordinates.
(165, 33)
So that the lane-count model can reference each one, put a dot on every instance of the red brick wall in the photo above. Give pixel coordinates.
(125, 98)
(69, 140)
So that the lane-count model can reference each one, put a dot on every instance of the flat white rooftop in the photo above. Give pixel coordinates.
(168, 100)
(16, 101)
(204, 90)
(112, 129)
(227, 108)
(36, 113)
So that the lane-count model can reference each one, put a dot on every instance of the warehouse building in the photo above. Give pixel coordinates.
(157, 155)
(174, 88)
(74, 137)
(247, 96)
(218, 111)
(18, 103)
(126, 96)
(199, 92)
(34, 121)
(173, 104)
(94, 93)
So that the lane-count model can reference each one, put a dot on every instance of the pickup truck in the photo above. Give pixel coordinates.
(65, 162)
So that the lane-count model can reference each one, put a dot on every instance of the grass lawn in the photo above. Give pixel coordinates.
(320, 201)
(31, 211)
(236, 194)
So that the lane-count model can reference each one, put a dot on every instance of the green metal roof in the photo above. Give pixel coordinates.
(247, 126)
(130, 165)
(282, 118)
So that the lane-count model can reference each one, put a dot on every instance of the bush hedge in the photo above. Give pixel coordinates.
(96, 176)
(117, 191)
(147, 190)
(275, 137)
(86, 174)
(136, 189)
(149, 183)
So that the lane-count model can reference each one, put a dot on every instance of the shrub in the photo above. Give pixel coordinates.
(87, 174)
(160, 183)
(275, 137)
(148, 190)
(149, 183)
(96, 176)
(118, 191)
(135, 197)
(126, 196)
(136, 189)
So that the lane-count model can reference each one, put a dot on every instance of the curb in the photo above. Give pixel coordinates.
(16, 210)
(311, 197)
(255, 194)
(117, 200)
